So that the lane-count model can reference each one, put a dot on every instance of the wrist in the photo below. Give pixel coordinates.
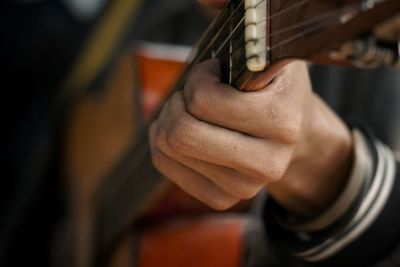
(320, 164)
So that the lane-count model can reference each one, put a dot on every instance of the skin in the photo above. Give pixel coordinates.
(222, 145)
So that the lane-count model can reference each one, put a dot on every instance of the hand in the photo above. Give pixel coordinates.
(221, 145)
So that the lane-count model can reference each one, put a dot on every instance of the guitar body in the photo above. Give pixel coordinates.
(110, 120)
(193, 242)
(99, 130)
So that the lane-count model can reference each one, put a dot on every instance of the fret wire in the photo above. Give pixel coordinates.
(238, 44)
(229, 37)
(230, 63)
(230, 54)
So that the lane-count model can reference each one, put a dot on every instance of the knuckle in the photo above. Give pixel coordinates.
(157, 159)
(290, 134)
(196, 70)
(220, 203)
(284, 121)
(248, 193)
(277, 168)
(288, 128)
(243, 188)
(217, 200)
(176, 97)
(160, 138)
(179, 137)
(193, 80)
(272, 170)
(198, 102)
(275, 174)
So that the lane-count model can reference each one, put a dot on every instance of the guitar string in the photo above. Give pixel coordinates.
(291, 27)
(292, 38)
(218, 34)
(323, 18)
(229, 37)
(223, 27)
(305, 32)
(307, 22)
(317, 19)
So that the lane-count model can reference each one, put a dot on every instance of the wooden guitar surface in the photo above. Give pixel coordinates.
(101, 129)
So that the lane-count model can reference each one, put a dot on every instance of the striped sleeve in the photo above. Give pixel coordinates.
(360, 228)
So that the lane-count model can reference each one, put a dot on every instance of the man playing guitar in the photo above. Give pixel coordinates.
(222, 146)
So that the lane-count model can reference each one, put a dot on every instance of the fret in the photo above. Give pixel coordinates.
(231, 31)
(231, 64)
(205, 46)
(238, 54)
(220, 47)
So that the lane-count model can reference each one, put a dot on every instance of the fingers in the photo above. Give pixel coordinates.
(190, 181)
(221, 145)
(267, 113)
(229, 180)
(214, 3)
(179, 131)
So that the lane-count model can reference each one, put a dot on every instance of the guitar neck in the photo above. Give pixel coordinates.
(135, 180)
(293, 29)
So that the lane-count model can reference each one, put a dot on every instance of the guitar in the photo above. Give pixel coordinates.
(248, 37)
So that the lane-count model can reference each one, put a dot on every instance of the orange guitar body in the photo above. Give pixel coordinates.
(179, 231)
(194, 242)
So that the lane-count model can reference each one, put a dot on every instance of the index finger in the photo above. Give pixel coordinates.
(214, 3)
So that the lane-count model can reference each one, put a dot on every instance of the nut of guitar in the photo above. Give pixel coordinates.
(256, 34)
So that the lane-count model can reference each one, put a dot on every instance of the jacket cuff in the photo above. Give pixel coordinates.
(364, 214)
